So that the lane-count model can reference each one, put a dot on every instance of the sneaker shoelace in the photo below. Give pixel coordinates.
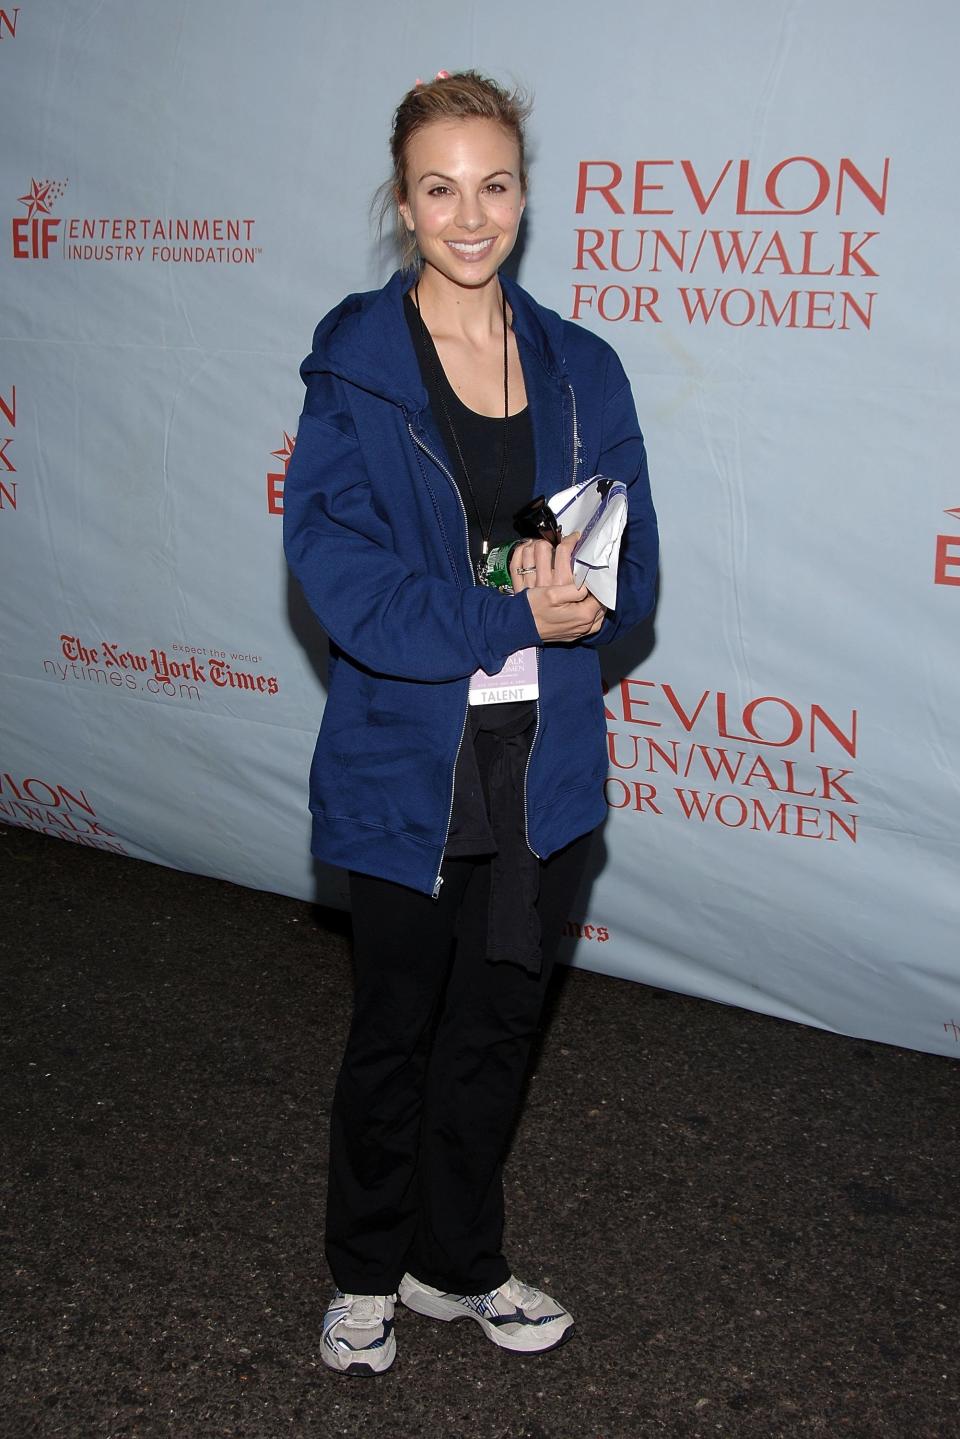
(523, 1295)
(366, 1310)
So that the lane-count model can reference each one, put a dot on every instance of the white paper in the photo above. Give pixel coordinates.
(598, 509)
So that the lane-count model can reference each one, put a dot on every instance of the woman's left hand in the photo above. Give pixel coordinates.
(538, 565)
(535, 564)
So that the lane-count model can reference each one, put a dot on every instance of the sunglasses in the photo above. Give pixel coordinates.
(536, 521)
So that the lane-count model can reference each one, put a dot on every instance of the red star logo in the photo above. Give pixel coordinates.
(285, 453)
(955, 513)
(38, 199)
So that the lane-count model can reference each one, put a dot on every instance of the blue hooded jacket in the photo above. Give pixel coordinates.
(376, 534)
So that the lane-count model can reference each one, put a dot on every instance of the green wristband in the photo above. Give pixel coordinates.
(495, 571)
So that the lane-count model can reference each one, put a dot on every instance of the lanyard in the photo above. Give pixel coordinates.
(486, 530)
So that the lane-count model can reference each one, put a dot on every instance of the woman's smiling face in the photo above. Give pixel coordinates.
(464, 198)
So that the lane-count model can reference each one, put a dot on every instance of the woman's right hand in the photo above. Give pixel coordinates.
(562, 610)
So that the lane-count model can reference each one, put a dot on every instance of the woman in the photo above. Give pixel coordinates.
(436, 408)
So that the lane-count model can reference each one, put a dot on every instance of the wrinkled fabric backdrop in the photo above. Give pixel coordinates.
(755, 205)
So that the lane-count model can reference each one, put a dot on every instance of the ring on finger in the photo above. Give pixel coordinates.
(527, 570)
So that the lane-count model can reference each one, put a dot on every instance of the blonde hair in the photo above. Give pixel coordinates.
(465, 95)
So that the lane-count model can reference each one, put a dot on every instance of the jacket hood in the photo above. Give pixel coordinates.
(365, 341)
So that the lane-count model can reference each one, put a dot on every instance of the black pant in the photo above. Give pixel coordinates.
(428, 1091)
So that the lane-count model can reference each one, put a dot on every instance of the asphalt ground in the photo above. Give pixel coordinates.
(755, 1223)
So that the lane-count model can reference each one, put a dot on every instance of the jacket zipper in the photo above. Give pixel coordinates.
(463, 728)
(526, 831)
(576, 434)
(453, 781)
(575, 447)
(453, 485)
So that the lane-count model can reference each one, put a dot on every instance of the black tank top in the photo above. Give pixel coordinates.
(499, 733)
(480, 438)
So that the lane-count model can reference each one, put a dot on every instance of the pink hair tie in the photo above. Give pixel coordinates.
(440, 75)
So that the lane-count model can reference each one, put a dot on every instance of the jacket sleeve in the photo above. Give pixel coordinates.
(623, 456)
(388, 617)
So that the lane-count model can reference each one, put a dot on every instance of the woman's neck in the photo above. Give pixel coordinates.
(460, 311)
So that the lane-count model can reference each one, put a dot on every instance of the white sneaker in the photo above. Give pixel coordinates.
(358, 1333)
(514, 1316)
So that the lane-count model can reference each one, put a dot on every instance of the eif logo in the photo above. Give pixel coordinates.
(36, 234)
(275, 481)
(946, 565)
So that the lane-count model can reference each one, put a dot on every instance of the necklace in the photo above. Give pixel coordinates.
(486, 530)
